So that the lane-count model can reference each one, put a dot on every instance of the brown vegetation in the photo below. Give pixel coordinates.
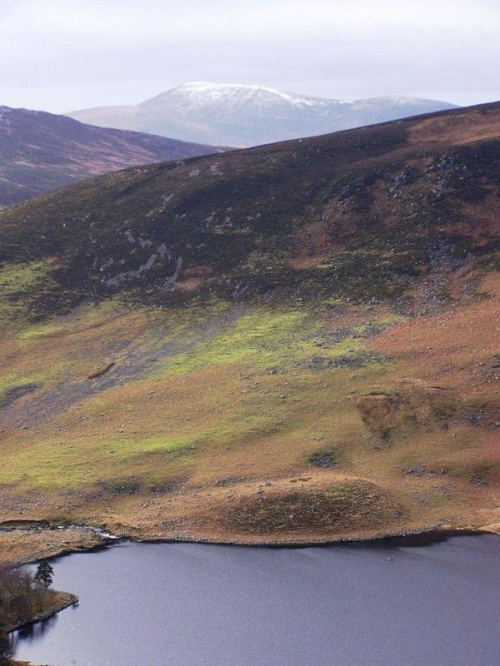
(338, 508)
(40, 152)
(24, 600)
(248, 393)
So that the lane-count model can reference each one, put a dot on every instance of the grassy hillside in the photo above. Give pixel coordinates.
(289, 343)
(40, 152)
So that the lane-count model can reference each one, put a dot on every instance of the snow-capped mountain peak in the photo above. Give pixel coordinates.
(204, 95)
(235, 114)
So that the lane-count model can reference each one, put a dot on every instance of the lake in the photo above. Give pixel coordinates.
(345, 605)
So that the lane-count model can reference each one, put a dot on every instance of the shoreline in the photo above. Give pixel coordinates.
(402, 538)
(409, 538)
(425, 536)
(63, 601)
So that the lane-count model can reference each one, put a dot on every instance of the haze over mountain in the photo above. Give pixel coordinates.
(290, 343)
(242, 115)
(40, 152)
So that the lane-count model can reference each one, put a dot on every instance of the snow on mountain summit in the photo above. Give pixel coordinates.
(235, 114)
(231, 96)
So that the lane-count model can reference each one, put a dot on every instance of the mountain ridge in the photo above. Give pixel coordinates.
(40, 151)
(281, 183)
(232, 114)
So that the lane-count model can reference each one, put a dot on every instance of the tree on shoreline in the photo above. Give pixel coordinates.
(22, 597)
(44, 574)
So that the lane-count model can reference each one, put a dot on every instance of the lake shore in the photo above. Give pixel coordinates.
(58, 602)
(360, 602)
(23, 546)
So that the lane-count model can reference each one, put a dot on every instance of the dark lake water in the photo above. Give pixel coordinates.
(348, 605)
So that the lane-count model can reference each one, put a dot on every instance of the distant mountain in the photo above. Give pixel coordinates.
(41, 151)
(239, 115)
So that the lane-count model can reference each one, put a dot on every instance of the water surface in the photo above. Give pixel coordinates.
(348, 605)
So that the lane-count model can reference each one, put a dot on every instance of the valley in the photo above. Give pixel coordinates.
(249, 333)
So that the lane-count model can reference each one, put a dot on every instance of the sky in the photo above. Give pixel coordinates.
(63, 55)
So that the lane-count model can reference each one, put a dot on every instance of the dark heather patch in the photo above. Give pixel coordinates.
(16, 392)
(323, 459)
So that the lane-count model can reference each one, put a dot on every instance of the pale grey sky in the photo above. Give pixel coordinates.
(61, 55)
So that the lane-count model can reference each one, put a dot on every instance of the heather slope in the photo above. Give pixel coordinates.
(290, 343)
(360, 214)
(41, 151)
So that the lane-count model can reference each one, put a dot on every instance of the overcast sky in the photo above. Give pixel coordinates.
(62, 55)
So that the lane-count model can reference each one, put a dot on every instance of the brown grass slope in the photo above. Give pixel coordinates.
(40, 152)
(287, 344)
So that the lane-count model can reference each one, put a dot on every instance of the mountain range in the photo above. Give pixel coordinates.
(242, 115)
(285, 344)
(42, 151)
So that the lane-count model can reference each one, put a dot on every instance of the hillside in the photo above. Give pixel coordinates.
(40, 152)
(239, 115)
(290, 343)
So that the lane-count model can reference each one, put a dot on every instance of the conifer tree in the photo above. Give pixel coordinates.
(44, 574)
